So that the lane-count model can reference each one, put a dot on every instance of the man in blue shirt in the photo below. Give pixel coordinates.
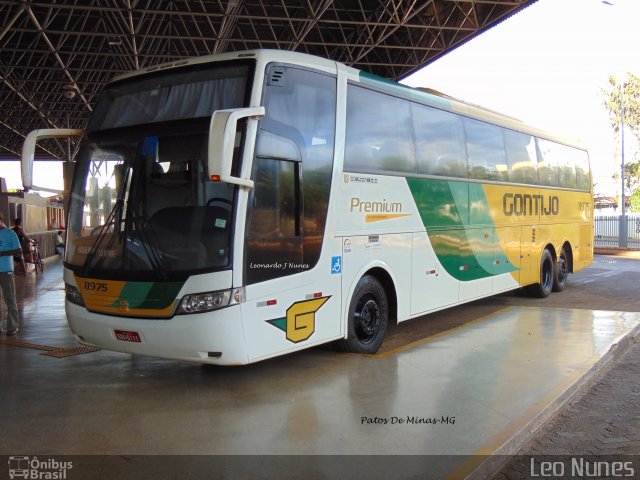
(9, 246)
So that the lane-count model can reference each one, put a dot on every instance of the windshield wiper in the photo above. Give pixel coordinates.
(149, 248)
(115, 219)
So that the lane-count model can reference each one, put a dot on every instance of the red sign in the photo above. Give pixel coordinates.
(126, 336)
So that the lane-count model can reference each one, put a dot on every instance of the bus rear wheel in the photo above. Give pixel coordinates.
(547, 273)
(368, 317)
(561, 272)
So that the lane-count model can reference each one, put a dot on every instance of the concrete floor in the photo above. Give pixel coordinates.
(493, 378)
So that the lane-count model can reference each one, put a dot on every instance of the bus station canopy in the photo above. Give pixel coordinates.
(56, 57)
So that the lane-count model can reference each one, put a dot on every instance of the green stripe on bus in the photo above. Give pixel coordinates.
(161, 295)
(149, 295)
(465, 252)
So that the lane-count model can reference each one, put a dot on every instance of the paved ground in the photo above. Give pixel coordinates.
(603, 420)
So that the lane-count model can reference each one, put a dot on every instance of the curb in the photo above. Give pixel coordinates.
(618, 252)
(502, 455)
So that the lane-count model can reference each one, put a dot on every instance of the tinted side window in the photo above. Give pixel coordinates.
(275, 201)
(558, 166)
(583, 178)
(292, 171)
(378, 132)
(567, 166)
(274, 246)
(485, 150)
(547, 169)
(439, 142)
(521, 157)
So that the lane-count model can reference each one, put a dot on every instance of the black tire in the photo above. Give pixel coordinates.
(561, 272)
(368, 317)
(547, 273)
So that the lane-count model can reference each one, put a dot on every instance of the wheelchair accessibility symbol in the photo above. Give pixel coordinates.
(336, 265)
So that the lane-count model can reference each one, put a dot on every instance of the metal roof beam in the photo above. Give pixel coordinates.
(57, 56)
(88, 43)
(13, 20)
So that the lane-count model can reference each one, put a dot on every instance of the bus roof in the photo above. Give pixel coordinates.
(420, 95)
(266, 55)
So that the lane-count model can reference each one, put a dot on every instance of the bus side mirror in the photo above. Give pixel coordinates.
(222, 138)
(29, 150)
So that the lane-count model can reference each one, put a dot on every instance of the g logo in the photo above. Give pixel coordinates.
(300, 322)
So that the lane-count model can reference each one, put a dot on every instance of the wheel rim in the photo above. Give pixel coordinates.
(367, 318)
(547, 275)
(562, 270)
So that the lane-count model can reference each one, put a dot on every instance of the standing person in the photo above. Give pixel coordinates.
(25, 243)
(9, 246)
(60, 243)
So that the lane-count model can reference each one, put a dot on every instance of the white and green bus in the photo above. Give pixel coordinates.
(232, 208)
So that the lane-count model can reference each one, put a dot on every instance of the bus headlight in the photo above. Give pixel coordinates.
(207, 301)
(73, 294)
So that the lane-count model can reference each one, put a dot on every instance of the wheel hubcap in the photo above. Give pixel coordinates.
(562, 270)
(367, 318)
(547, 278)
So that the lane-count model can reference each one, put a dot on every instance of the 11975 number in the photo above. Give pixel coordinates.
(95, 287)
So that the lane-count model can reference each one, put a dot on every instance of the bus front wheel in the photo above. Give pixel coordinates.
(368, 317)
(547, 274)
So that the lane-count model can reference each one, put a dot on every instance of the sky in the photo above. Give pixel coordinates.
(547, 66)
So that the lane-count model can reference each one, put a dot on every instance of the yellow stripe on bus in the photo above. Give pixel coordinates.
(376, 217)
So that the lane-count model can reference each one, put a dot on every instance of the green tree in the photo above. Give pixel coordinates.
(635, 201)
(613, 96)
(612, 102)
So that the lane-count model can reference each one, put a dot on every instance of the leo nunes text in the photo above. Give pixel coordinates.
(407, 420)
(581, 468)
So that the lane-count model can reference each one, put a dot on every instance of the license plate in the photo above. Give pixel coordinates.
(126, 336)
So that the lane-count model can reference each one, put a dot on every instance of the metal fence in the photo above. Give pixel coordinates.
(617, 231)
(46, 242)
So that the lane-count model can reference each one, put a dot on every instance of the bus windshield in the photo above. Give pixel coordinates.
(141, 199)
(145, 205)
